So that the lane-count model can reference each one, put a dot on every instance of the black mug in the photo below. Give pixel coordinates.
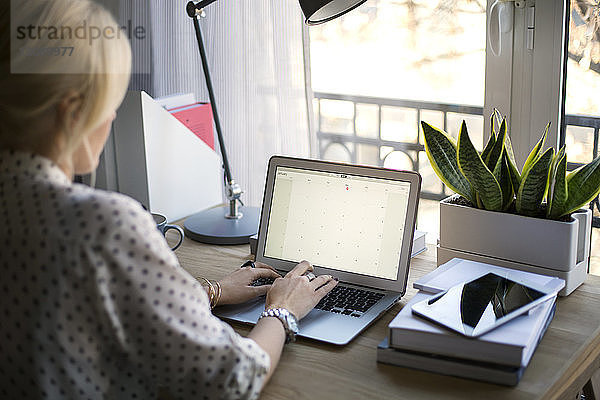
(163, 227)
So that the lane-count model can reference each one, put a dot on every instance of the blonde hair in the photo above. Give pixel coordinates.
(70, 93)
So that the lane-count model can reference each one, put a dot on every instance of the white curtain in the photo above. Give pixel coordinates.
(255, 51)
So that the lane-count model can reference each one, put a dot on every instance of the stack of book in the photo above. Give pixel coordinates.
(499, 356)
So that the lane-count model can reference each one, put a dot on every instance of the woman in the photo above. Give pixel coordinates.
(94, 303)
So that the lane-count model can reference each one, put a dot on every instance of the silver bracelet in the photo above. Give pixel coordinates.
(289, 321)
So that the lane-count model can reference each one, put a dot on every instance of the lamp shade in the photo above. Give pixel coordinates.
(319, 11)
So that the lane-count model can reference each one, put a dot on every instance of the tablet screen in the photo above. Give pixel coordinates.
(478, 306)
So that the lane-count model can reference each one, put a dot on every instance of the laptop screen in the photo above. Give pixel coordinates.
(344, 222)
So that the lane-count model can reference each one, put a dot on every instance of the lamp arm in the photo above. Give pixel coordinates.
(211, 96)
(233, 190)
(192, 8)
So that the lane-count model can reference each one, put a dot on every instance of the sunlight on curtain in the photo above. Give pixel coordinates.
(254, 48)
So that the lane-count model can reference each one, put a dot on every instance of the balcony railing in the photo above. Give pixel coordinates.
(350, 139)
(339, 124)
(592, 123)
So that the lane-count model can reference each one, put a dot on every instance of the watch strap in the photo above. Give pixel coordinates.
(288, 320)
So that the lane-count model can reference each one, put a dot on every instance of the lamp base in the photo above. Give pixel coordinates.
(212, 226)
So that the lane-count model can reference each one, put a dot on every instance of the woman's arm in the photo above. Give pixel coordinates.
(269, 334)
(159, 316)
(295, 293)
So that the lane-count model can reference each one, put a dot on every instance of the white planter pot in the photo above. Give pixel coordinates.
(537, 245)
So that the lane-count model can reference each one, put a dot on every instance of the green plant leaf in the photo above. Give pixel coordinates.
(553, 171)
(488, 148)
(498, 115)
(479, 204)
(535, 152)
(534, 184)
(490, 144)
(502, 174)
(495, 155)
(496, 119)
(515, 175)
(557, 198)
(441, 151)
(478, 174)
(583, 185)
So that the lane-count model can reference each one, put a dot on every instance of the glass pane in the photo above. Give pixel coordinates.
(433, 118)
(408, 57)
(367, 155)
(337, 116)
(398, 160)
(579, 141)
(399, 124)
(431, 183)
(337, 152)
(416, 49)
(367, 120)
(583, 68)
(582, 106)
(384, 151)
(583, 79)
(428, 220)
(474, 127)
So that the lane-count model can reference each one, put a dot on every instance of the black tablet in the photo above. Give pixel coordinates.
(478, 306)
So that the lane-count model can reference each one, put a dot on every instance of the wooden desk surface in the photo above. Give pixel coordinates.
(565, 360)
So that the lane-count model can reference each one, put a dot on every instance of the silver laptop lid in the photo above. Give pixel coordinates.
(353, 222)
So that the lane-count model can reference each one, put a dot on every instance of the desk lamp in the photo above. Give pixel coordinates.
(233, 224)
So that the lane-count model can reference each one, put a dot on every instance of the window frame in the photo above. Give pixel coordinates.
(526, 85)
(536, 76)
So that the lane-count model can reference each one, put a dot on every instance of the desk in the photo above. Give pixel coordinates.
(565, 360)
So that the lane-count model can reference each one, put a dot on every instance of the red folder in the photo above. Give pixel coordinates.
(198, 119)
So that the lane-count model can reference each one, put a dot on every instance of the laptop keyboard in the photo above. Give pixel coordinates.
(262, 281)
(349, 301)
(344, 300)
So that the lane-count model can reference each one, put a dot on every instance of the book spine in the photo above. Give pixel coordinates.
(527, 355)
(478, 351)
(502, 376)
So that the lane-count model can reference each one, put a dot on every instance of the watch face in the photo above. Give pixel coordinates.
(292, 323)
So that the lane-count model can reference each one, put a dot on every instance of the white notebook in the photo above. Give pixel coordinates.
(458, 270)
(510, 344)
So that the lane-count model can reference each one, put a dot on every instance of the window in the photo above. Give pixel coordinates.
(582, 121)
(380, 70)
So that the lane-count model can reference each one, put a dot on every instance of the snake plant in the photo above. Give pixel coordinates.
(491, 180)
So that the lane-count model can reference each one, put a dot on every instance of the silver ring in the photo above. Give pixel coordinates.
(310, 276)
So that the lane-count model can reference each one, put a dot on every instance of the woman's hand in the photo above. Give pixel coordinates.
(236, 287)
(296, 293)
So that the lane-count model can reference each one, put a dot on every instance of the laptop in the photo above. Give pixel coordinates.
(353, 222)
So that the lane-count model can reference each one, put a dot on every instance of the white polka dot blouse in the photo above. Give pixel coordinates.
(94, 304)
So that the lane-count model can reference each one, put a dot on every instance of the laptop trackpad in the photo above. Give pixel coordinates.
(247, 312)
(319, 325)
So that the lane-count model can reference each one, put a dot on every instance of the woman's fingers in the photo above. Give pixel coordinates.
(261, 290)
(326, 288)
(262, 265)
(320, 281)
(300, 269)
(264, 273)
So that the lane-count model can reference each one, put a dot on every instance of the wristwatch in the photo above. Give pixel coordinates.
(289, 321)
